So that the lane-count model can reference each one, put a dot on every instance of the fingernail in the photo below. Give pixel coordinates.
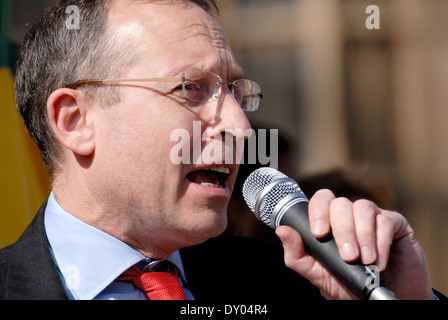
(380, 264)
(349, 252)
(367, 255)
(320, 228)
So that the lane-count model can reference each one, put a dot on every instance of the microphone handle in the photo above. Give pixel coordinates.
(354, 276)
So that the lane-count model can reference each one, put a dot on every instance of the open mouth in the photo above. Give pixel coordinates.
(214, 177)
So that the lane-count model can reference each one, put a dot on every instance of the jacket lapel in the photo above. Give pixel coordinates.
(31, 272)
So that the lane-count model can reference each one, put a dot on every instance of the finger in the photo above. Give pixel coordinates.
(298, 260)
(364, 213)
(291, 241)
(343, 227)
(386, 229)
(319, 212)
(294, 250)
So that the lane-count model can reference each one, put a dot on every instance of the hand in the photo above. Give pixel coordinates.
(361, 230)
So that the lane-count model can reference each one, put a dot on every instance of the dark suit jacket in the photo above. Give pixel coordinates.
(221, 269)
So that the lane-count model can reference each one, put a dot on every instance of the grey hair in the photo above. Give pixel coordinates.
(54, 56)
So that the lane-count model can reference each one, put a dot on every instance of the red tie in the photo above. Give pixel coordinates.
(156, 285)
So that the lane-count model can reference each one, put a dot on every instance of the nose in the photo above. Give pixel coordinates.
(228, 116)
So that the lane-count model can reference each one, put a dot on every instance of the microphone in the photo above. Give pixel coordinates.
(276, 200)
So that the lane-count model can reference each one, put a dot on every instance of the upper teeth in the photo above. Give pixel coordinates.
(219, 169)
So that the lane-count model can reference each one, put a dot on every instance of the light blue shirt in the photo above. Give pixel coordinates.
(90, 260)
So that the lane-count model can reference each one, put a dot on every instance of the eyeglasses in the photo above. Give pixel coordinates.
(203, 88)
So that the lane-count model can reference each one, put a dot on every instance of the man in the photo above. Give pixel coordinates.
(120, 201)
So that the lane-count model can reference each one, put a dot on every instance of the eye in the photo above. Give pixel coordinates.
(192, 87)
(178, 92)
(196, 90)
(237, 93)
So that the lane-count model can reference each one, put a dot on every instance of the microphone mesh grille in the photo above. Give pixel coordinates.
(258, 181)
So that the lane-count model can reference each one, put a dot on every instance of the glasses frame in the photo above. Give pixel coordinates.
(107, 81)
(181, 79)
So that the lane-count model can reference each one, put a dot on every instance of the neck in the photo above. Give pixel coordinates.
(99, 210)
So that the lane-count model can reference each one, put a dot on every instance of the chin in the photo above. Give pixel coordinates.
(201, 232)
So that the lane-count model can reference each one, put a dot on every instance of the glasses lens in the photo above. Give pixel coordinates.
(247, 93)
(202, 89)
(208, 86)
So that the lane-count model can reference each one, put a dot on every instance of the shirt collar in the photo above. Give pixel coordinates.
(88, 269)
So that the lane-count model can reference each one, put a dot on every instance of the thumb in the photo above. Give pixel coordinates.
(293, 247)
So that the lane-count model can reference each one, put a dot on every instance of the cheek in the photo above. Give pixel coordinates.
(134, 135)
(137, 138)
(143, 151)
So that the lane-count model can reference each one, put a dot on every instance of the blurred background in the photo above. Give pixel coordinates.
(360, 111)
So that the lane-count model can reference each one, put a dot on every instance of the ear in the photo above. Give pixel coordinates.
(67, 111)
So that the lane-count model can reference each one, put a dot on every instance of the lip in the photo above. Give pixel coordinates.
(200, 191)
(228, 180)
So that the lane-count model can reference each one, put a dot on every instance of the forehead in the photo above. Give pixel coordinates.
(172, 36)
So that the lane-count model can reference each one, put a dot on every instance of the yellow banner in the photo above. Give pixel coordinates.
(24, 182)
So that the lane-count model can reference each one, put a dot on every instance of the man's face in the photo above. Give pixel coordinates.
(157, 201)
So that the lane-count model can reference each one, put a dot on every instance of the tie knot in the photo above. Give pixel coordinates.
(158, 285)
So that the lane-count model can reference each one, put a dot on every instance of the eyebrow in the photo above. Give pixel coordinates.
(237, 73)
